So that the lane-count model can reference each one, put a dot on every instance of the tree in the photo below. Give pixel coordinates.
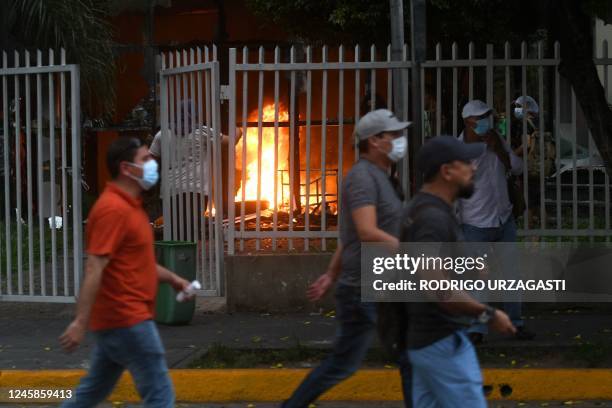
(493, 21)
(81, 27)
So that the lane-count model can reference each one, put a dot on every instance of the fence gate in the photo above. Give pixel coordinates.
(191, 159)
(40, 203)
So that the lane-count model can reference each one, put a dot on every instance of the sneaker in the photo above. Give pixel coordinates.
(523, 334)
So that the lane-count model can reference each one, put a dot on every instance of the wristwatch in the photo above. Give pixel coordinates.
(487, 315)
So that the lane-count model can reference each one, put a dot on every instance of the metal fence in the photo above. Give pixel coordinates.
(191, 159)
(296, 110)
(41, 240)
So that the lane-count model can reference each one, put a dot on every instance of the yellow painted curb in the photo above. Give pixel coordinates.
(366, 385)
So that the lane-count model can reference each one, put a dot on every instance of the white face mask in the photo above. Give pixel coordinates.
(399, 146)
(150, 175)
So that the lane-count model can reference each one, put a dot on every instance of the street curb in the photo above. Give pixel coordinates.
(227, 385)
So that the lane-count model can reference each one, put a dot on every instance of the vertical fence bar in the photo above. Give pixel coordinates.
(245, 78)
(471, 70)
(29, 176)
(323, 148)
(507, 56)
(357, 92)
(559, 213)
(40, 205)
(217, 176)
(525, 137)
(390, 83)
(165, 145)
(212, 203)
(179, 140)
(574, 172)
(65, 219)
(231, 155)
(292, 131)
(196, 179)
(260, 91)
(173, 139)
(422, 117)
(7, 180)
(606, 177)
(18, 217)
(308, 146)
(75, 116)
(204, 193)
(373, 79)
(454, 56)
(404, 75)
(489, 75)
(340, 132)
(542, 132)
(438, 91)
(275, 167)
(52, 113)
(184, 151)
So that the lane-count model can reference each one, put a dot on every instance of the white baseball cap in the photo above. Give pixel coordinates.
(378, 121)
(475, 108)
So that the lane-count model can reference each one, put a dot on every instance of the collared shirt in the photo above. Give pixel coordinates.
(490, 205)
(118, 228)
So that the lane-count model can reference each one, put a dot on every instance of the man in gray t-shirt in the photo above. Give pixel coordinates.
(369, 212)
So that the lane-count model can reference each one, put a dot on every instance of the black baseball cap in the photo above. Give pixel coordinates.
(446, 149)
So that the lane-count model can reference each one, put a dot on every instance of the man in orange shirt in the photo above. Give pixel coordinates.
(117, 297)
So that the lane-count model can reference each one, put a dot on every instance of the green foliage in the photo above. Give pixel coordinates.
(79, 26)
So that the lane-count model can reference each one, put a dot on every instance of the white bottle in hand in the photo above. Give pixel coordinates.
(188, 291)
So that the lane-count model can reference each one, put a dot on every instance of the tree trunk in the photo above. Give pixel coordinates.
(576, 38)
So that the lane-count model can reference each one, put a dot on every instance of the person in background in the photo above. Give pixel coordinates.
(487, 215)
(370, 212)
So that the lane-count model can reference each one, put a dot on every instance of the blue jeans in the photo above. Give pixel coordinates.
(137, 348)
(504, 233)
(446, 374)
(357, 328)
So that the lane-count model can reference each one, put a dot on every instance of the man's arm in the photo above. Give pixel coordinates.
(75, 333)
(367, 228)
(166, 276)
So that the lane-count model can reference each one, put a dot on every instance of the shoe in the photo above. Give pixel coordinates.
(476, 338)
(524, 334)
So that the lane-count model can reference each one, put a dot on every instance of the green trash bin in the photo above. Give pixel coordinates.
(180, 258)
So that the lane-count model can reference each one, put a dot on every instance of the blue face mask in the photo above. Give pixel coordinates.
(150, 175)
(482, 126)
(518, 113)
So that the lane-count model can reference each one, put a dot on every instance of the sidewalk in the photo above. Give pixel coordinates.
(29, 332)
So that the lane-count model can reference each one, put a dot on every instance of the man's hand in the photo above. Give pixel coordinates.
(179, 284)
(73, 336)
(500, 322)
(319, 288)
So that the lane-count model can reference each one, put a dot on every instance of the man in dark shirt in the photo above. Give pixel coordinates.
(445, 367)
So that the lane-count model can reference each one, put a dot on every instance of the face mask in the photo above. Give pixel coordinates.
(482, 126)
(150, 176)
(399, 146)
(518, 113)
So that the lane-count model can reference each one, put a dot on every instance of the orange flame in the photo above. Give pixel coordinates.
(268, 171)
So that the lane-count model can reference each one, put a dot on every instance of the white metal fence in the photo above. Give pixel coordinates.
(296, 110)
(41, 239)
(191, 159)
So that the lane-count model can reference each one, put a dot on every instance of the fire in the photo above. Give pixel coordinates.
(268, 171)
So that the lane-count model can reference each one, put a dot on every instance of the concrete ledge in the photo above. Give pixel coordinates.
(258, 385)
(274, 283)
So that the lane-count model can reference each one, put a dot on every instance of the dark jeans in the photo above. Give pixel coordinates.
(504, 233)
(137, 348)
(357, 321)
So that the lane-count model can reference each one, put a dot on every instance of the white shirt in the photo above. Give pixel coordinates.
(490, 206)
(188, 173)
